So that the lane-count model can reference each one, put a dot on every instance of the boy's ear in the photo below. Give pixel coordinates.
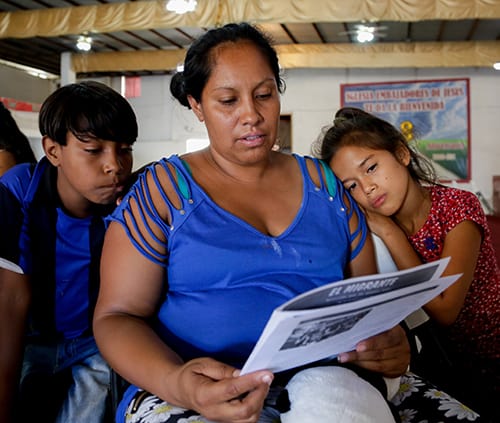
(196, 107)
(52, 150)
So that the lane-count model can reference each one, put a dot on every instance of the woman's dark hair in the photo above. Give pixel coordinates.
(12, 139)
(353, 126)
(89, 110)
(199, 59)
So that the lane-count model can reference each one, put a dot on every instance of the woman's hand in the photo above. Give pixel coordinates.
(216, 390)
(387, 353)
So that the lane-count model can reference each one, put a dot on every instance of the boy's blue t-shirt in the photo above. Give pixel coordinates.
(27, 194)
(72, 274)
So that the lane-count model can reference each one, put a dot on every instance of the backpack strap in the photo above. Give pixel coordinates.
(96, 240)
(40, 218)
(40, 205)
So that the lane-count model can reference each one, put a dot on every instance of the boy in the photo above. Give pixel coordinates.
(52, 226)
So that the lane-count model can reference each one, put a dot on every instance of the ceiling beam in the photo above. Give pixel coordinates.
(382, 55)
(391, 55)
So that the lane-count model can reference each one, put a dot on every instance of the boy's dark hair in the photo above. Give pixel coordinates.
(88, 110)
(199, 59)
(353, 126)
(12, 139)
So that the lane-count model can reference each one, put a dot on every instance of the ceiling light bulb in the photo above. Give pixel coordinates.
(181, 6)
(365, 34)
(84, 43)
(496, 66)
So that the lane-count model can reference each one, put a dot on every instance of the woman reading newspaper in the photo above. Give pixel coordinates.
(205, 245)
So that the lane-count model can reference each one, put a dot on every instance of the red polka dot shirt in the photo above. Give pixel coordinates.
(476, 331)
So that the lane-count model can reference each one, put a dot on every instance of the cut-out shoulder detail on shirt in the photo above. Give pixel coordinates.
(144, 218)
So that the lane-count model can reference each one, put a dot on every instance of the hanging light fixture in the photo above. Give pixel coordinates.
(365, 34)
(84, 43)
(181, 6)
(496, 66)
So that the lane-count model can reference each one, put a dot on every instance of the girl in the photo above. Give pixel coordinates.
(420, 220)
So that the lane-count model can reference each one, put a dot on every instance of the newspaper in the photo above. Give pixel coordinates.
(333, 318)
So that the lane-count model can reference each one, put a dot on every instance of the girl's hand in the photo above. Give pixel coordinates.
(387, 353)
(216, 390)
(380, 224)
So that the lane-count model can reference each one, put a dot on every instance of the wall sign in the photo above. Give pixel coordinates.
(434, 114)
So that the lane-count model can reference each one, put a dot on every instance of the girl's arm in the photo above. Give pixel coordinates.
(395, 240)
(462, 245)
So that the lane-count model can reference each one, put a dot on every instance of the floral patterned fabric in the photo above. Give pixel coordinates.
(417, 401)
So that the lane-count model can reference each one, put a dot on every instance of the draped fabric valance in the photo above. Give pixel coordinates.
(396, 55)
(129, 16)
(136, 15)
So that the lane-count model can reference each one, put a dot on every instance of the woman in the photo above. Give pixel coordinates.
(236, 229)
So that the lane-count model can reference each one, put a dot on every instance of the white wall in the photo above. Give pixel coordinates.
(312, 96)
(164, 125)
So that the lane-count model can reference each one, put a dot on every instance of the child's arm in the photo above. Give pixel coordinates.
(395, 239)
(14, 302)
(462, 244)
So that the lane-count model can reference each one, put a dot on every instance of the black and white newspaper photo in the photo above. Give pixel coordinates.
(332, 319)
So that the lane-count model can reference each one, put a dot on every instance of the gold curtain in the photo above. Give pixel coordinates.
(125, 16)
(137, 15)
